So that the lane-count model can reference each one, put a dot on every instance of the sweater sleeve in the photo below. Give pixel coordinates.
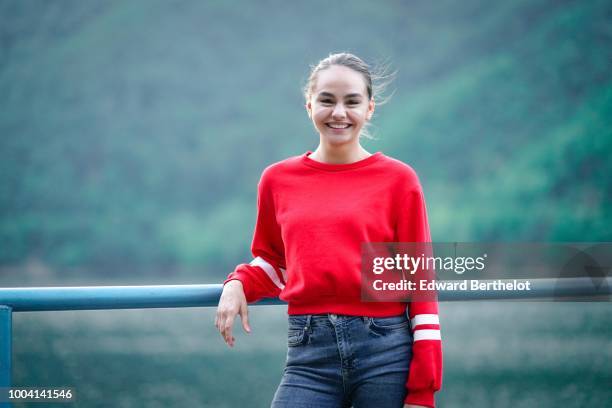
(425, 375)
(265, 275)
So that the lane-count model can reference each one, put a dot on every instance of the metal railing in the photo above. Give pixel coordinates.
(171, 296)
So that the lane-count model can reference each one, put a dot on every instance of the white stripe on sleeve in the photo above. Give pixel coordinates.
(427, 335)
(269, 270)
(425, 319)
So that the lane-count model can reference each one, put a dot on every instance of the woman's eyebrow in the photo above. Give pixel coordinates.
(328, 94)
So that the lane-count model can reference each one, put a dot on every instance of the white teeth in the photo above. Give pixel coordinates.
(338, 125)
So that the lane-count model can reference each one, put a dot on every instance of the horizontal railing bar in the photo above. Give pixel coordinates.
(171, 296)
(113, 297)
(583, 288)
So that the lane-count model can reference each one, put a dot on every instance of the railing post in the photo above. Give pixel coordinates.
(6, 335)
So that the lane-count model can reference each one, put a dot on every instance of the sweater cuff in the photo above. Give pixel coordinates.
(231, 279)
(238, 276)
(421, 397)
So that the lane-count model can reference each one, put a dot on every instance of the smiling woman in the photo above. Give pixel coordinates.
(314, 212)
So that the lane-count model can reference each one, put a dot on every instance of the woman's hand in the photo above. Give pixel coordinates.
(231, 303)
(414, 406)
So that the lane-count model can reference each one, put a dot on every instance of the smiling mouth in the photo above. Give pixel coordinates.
(338, 126)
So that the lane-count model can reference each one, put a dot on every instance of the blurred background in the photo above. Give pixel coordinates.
(133, 134)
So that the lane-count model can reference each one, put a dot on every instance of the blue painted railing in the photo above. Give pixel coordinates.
(170, 296)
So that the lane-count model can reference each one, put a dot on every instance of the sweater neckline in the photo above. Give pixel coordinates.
(374, 157)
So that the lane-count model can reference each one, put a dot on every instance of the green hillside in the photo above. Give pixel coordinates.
(133, 133)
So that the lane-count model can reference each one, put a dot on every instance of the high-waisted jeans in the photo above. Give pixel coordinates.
(336, 361)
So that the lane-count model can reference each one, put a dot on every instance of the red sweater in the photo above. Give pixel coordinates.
(312, 218)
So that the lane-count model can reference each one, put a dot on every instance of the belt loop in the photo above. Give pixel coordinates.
(308, 319)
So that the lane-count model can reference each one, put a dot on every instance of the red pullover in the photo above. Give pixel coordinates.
(311, 221)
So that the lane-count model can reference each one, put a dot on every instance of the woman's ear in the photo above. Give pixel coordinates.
(371, 106)
(308, 107)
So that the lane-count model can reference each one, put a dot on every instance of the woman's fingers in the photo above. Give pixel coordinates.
(244, 316)
(227, 330)
(224, 322)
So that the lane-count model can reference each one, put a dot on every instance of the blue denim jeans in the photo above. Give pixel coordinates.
(336, 361)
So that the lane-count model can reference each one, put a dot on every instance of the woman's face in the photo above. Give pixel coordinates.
(339, 105)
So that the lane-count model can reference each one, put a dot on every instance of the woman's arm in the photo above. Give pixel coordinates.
(263, 277)
(425, 375)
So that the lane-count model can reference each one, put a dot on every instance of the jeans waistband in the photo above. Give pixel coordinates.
(310, 319)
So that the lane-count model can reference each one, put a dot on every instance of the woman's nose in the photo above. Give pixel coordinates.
(339, 111)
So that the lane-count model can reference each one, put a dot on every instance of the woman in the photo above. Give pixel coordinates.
(314, 212)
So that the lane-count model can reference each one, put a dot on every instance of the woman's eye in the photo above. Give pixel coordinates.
(353, 103)
(326, 101)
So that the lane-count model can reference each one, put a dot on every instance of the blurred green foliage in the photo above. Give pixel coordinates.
(132, 134)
